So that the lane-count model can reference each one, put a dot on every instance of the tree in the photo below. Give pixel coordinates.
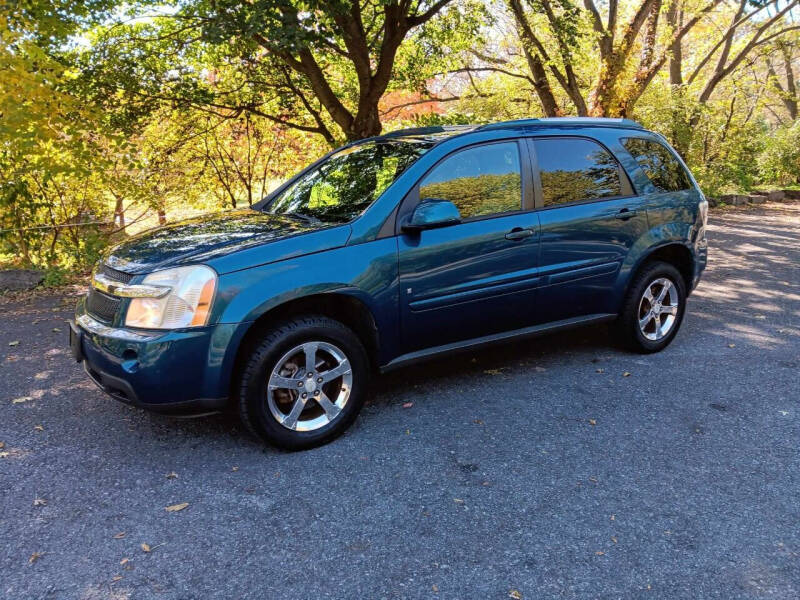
(634, 47)
(319, 67)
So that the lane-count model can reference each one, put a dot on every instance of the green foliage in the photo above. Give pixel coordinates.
(55, 277)
(780, 161)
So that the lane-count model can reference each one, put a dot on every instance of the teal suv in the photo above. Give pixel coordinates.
(391, 250)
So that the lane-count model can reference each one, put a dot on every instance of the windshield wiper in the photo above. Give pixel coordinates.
(303, 217)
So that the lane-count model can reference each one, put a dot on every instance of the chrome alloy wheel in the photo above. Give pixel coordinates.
(658, 309)
(309, 386)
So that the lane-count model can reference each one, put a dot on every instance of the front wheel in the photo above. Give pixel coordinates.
(653, 309)
(304, 383)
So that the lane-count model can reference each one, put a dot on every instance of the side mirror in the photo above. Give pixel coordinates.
(431, 213)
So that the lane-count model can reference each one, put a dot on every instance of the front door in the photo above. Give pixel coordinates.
(478, 277)
(589, 219)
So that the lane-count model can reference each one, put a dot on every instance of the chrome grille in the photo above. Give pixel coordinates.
(102, 306)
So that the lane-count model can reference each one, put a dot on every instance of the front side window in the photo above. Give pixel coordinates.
(343, 186)
(659, 164)
(480, 181)
(573, 170)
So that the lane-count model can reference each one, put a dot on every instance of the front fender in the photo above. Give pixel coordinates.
(367, 272)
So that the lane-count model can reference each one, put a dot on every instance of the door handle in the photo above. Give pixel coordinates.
(625, 214)
(518, 233)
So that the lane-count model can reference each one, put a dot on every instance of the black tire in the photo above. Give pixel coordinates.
(263, 358)
(629, 332)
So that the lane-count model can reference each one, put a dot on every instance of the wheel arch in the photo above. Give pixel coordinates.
(340, 306)
(675, 253)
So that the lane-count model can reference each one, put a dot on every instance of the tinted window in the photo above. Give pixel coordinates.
(659, 164)
(480, 181)
(342, 187)
(575, 169)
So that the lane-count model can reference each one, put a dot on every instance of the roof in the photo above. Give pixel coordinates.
(441, 132)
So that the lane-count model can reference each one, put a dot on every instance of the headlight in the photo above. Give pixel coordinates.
(187, 304)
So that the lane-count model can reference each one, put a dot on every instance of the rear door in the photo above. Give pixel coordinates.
(477, 277)
(590, 218)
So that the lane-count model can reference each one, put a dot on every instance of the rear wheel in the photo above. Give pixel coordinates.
(304, 383)
(653, 309)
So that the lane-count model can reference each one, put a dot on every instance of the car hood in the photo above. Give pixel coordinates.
(204, 238)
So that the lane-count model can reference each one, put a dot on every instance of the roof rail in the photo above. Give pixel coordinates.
(566, 122)
(427, 130)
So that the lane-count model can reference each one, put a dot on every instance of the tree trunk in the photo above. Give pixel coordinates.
(119, 213)
(542, 86)
(790, 99)
(675, 19)
(162, 216)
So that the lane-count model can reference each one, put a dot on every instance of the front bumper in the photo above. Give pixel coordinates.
(172, 372)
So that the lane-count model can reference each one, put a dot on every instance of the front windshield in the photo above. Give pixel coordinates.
(344, 185)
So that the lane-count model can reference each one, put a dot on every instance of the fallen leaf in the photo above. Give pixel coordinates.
(2, 445)
(146, 547)
(599, 553)
(38, 428)
(493, 372)
(124, 560)
(599, 370)
(14, 343)
(613, 517)
(435, 587)
(539, 369)
(478, 422)
(172, 475)
(593, 479)
(731, 345)
(626, 374)
(408, 404)
(4, 454)
(613, 539)
(458, 501)
(119, 536)
(514, 594)
(34, 557)
(116, 578)
(56, 330)
(234, 468)
(592, 422)
(176, 507)
(39, 502)
(21, 400)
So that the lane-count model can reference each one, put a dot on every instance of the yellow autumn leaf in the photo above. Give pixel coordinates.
(515, 594)
(119, 536)
(176, 507)
(145, 547)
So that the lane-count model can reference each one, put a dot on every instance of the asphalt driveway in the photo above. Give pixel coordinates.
(554, 468)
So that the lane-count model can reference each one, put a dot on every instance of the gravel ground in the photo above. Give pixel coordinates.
(553, 468)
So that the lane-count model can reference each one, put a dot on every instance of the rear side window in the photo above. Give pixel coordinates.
(480, 181)
(659, 164)
(575, 169)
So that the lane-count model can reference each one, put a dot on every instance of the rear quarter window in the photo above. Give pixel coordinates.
(659, 164)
